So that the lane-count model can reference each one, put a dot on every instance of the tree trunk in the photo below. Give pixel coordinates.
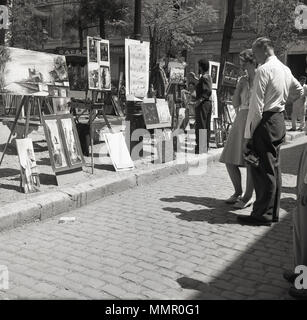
(102, 26)
(227, 34)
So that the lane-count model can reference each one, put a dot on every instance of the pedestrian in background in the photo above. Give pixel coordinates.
(232, 154)
(299, 108)
(299, 228)
(265, 130)
(203, 106)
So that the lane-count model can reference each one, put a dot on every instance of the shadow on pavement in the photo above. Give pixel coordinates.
(255, 273)
(5, 173)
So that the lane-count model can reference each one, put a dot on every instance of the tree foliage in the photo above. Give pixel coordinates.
(170, 24)
(25, 31)
(273, 19)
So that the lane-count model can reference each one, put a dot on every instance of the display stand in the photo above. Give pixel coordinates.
(92, 107)
(26, 102)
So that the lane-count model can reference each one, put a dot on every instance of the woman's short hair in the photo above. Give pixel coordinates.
(247, 56)
(204, 64)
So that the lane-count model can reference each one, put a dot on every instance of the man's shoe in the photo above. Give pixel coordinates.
(300, 129)
(233, 199)
(290, 276)
(292, 129)
(254, 221)
(300, 294)
(240, 204)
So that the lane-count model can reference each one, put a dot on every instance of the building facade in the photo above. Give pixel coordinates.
(65, 40)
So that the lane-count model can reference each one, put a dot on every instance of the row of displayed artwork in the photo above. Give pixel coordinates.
(65, 151)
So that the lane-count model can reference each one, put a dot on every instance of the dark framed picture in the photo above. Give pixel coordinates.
(214, 70)
(63, 142)
(105, 78)
(104, 51)
(231, 74)
(92, 50)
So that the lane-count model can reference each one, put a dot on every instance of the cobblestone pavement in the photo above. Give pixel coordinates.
(175, 239)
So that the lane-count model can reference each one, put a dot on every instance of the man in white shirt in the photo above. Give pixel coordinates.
(265, 130)
(299, 108)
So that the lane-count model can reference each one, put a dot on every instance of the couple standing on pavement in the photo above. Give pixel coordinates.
(259, 130)
(262, 130)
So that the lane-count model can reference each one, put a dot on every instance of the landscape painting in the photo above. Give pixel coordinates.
(26, 72)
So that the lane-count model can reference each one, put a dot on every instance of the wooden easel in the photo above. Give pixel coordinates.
(92, 107)
(26, 103)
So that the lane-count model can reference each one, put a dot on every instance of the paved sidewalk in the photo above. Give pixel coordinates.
(174, 239)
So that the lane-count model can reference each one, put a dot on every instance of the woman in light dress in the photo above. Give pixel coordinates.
(232, 154)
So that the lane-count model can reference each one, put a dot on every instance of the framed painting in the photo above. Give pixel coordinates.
(63, 142)
(231, 74)
(33, 73)
(72, 142)
(28, 168)
(214, 70)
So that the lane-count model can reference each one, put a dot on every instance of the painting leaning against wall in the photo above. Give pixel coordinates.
(26, 72)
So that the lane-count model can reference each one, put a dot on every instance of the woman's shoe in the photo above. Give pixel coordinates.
(233, 199)
(240, 204)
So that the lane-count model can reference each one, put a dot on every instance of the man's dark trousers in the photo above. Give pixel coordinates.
(267, 140)
(203, 121)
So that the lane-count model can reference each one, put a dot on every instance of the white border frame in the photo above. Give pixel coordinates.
(216, 64)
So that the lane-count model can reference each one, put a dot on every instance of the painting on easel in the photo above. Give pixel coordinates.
(32, 73)
(29, 173)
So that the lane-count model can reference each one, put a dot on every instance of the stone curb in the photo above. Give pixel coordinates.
(66, 199)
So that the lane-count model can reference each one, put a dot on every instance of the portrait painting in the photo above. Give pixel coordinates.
(104, 51)
(28, 168)
(26, 72)
(92, 50)
(214, 69)
(105, 78)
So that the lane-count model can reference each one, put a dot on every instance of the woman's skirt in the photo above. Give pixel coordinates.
(233, 150)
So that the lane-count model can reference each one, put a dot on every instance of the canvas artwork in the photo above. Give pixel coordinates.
(74, 154)
(92, 50)
(105, 78)
(63, 142)
(28, 168)
(150, 113)
(137, 68)
(61, 105)
(99, 73)
(231, 113)
(118, 151)
(93, 76)
(214, 69)
(56, 146)
(231, 74)
(104, 51)
(26, 72)
(163, 111)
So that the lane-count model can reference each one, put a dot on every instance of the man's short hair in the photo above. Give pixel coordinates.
(302, 78)
(264, 43)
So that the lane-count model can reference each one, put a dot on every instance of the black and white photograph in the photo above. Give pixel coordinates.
(153, 156)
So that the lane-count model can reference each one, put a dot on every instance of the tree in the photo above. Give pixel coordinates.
(25, 30)
(170, 25)
(227, 35)
(273, 19)
(108, 15)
